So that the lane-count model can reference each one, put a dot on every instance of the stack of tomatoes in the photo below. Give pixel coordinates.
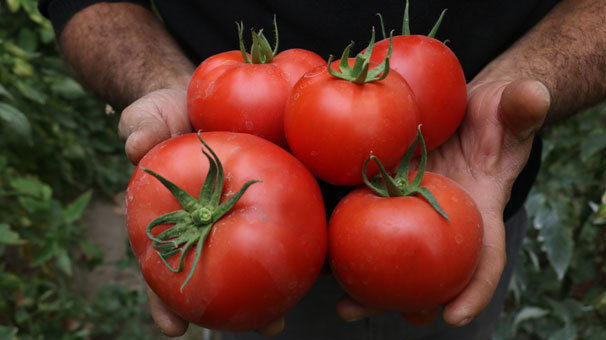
(229, 224)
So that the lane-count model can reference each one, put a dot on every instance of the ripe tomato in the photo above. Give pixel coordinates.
(229, 93)
(332, 124)
(435, 75)
(436, 78)
(398, 253)
(259, 259)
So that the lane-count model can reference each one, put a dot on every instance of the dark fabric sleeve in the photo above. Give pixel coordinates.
(60, 11)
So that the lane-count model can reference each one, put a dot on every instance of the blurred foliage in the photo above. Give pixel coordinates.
(57, 145)
(558, 289)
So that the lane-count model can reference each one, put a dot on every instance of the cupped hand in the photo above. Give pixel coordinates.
(160, 115)
(484, 156)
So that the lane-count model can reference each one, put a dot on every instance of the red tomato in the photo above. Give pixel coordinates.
(228, 94)
(332, 124)
(398, 253)
(260, 258)
(436, 78)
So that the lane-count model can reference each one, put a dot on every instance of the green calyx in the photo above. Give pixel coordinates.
(361, 72)
(406, 23)
(260, 51)
(192, 224)
(387, 186)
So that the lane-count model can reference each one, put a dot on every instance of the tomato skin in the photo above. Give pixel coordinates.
(258, 260)
(332, 125)
(436, 78)
(398, 253)
(228, 94)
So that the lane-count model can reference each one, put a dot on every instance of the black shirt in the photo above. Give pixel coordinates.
(477, 31)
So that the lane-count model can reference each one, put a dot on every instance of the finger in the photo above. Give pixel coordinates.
(523, 107)
(421, 318)
(273, 328)
(350, 310)
(152, 119)
(167, 321)
(479, 291)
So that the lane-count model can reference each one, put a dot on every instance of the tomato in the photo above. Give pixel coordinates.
(407, 243)
(228, 93)
(332, 124)
(259, 259)
(436, 78)
(399, 254)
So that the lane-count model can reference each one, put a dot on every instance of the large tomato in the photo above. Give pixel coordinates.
(229, 93)
(410, 246)
(398, 253)
(436, 78)
(332, 124)
(259, 259)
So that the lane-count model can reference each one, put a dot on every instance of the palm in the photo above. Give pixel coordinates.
(485, 156)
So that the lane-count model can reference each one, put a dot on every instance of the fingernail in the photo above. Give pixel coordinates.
(464, 322)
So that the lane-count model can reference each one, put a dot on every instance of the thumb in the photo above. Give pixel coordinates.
(523, 108)
(151, 119)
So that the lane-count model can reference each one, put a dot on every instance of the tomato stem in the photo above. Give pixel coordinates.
(434, 30)
(361, 72)
(260, 51)
(406, 23)
(399, 184)
(193, 223)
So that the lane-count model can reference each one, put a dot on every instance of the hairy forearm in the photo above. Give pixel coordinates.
(121, 51)
(566, 51)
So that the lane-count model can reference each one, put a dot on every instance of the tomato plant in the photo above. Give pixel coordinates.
(337, 115)
(241, 92)
(435, 76)
(258, 228)
(408, 243)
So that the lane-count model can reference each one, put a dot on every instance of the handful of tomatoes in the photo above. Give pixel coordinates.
(229, 225)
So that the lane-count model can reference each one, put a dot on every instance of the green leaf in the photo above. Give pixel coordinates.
(556, 239)
(67, 88)
(569, 332)
(45, 253)
(28, 39)
(8, 333)
(528, 313)
(74, 210)
(14, 121)
(31, 92)
(594, 332)
(31, 187)
(4, 92)
(7, 236)
(22, 68)
(600, 302)
(13, 5)
(600, 215)
(34, 206)
(593, 144)
(63, 261)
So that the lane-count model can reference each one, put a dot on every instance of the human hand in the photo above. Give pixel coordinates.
(151, 119)
(484, 156)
